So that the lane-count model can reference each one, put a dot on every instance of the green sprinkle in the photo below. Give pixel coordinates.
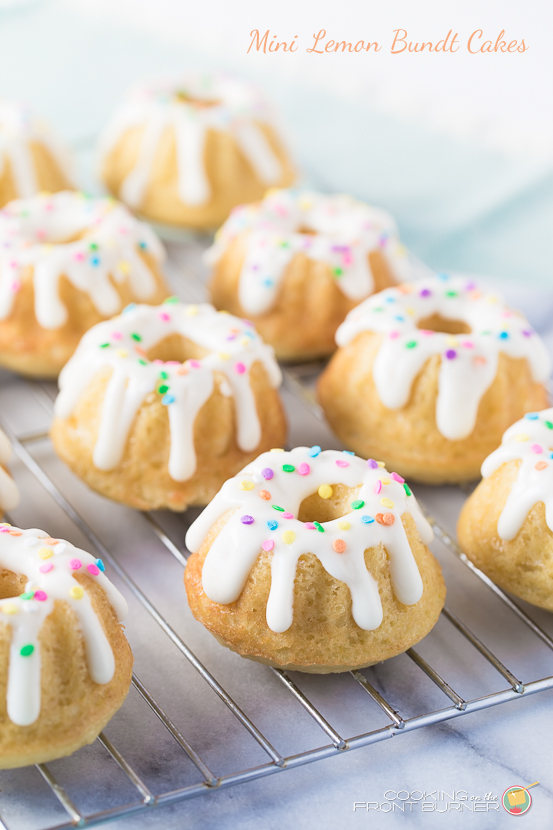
(142, 362)
(407, 488)
(337, 272)
(411, 344)
(284, 244)
(276, 507)
(104, 345)
(171, 300)
(27, 595)
(93, 246)
(378, 309)
(548, 424)
(163, 389)
(357, 504)
(319, 527)
(26, 651)
(288, 468)
(136, 337)
(452, 293)
(163, 375)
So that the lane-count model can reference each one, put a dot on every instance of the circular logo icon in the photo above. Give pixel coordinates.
(516, 800)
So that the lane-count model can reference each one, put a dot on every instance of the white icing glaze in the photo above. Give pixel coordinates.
(468, 361)
(190, 106)
(121, 344)
(18, 130)
(529, 441)
(92, 242)
(345, 232)
(264, 483)
(49, 565)
(9, 493)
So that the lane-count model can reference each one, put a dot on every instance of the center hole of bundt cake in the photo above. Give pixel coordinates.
(442, 324)
(176, 347)
(11, 584)
(184, 97)
(314, 508)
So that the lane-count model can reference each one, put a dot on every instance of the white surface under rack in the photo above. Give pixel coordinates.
(200, 718)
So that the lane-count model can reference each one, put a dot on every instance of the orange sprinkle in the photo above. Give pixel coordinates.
(339, 545)
(49, 541)
(15, 532)
(385, 518)
(139, 350)
(541, 465)
(479, 359)
(265, 494)
(405, 288)
(182, 371)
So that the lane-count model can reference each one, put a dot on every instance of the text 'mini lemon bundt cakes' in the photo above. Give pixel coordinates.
(185, 151)
(314, 561)
(506, 525)
(31, 156)
(297, 262)
(430, 374)
(159, 406)
(68, 261)
(65, 665)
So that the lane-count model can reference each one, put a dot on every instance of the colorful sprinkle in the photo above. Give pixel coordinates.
(537, 448)
(319, 527)
(288, 468)
(314, 451)
(341, 463)
(397, 477)
(265, 494)
(26, 651)
(247, 485)
(378, 486)
(276, 507)
(267, 473)
(325, 491)
(339, 545)
(387, 503)
(247, 520)
(451, 354)
(272, 525)
(100, 565)
(304, 469)
(239, 368)
(357, 504)
(343, 525)
(46, 568)
(541, 465)
(76, 592)
(367, 519)
(385, 518)
(41, 596)
(75, 564)
(372, 464)
(407, 489)
(288, 537)
(10, 608)
(93, 569)
(268, 545)
(45, 553)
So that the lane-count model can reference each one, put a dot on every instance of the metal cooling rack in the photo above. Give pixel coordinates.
(378, 697)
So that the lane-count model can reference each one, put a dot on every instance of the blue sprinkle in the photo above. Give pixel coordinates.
(272, 525)
(100, 564)
(532, 416)
(503, 335)
(348, 452)
(268, 283)
(167, 399)
(142, 245)
(314, 451)
(129, 307)
(367, 519)
(400, 318)
(95, 260)
(390, 299)
(443, 277)
(551, 455)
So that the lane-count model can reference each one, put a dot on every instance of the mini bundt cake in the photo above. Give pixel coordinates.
(9, 493)
(159, 406)
(429, 375)
(68, 261)
(297, 262)
(314, 561)
(65, 665)
(31, 157)
(185, 151)
(506, 525)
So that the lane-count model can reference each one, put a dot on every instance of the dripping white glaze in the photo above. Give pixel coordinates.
(468, 361)
(344, 232)
(9, 493)
(241, 541)
(49, 565)
(37, 233)
(529, 441)
(189, 107)
(19, 129)
(121, 344)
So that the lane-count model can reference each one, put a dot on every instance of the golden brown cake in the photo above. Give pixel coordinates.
(186, 151)
(32, 158)
(65, 665)
(506, 525)
(429, 375)
(297, 263)
(67, 262)
(159, 406)
(314, 561)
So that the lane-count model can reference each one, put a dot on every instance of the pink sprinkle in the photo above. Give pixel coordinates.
(239, 368)
(164, 316)
(394, 335)
(4, 530)
(268, 545)
(287, 515)
(309, 525)
(304, 469)
(117, 335)
(397, 477)
(75, 564)
(536, 448)
(342, 463)
(378, 486)
(427, 332)
(15, 287)
(195, 364)
(79, 256)
(468, 344)
(41, 596)
(158, 362)
(93, 569)
(46, 567)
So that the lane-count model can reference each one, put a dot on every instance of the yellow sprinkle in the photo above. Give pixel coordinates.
(124, 266)
(288, 537)
(224, 355)
(224, 312)
(522, 437)
(325, 491)
(387, 503)
(344, 525)
(191, 311)
(76, 592)
(45, 553)
(245, 341)
(381, 463)
(451, 340)
(247, 485)
(122, 353)
(492, 299)
(5, 524)
(277, 449)
(305, 204)
(410, 311)
(10, 608)
(385, 480)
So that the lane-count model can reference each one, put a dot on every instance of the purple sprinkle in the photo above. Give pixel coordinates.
(372, 464)
(451, 354)
(247, 520)
(470, 286)
(425, 292)
(527, 333)
(267, 473)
